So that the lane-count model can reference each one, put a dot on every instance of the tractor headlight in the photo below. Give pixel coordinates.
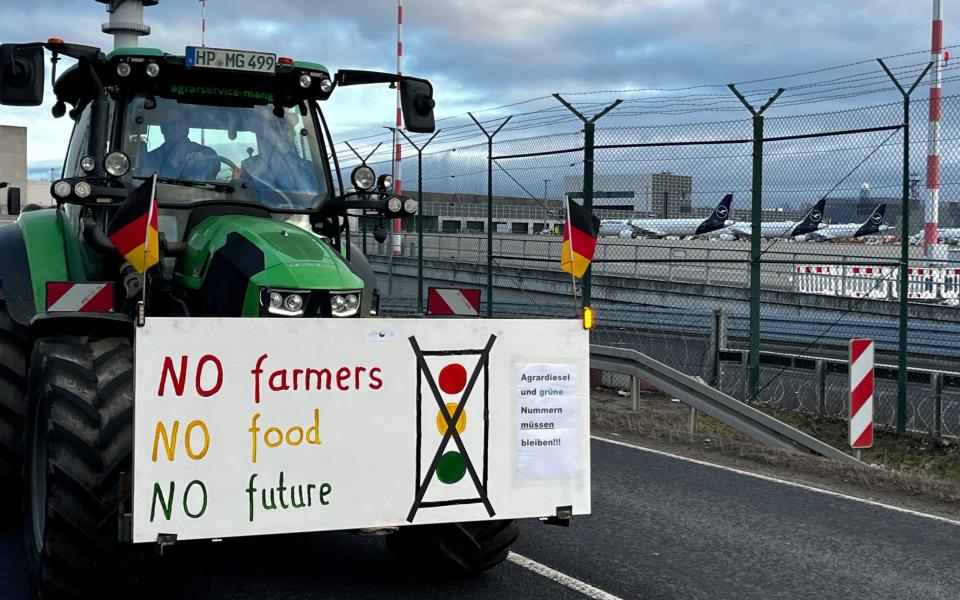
(276, 300)
(283, 303)
(82, 189)
(123, 69)
(384, 182)
(117, 164)
(345, 304)
(87, 164)
(394, 204)
(62, 189)
(293, 303)
(410, 206)
(363, 178)
(305, 81)
(153, 69)
(326, 85)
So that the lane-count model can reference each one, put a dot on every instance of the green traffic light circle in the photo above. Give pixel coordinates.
(451, 468)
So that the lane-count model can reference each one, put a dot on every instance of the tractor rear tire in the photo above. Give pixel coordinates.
(13, 371)
(454, 549)
(78, 442)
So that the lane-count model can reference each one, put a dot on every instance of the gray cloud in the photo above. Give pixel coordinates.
(497, 51)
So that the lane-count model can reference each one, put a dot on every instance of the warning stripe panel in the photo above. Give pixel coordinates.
(453, 302)
(861, 426)
(861, 393)
(66, 296)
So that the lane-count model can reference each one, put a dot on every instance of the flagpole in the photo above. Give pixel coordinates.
(146, 244)
(573, 278)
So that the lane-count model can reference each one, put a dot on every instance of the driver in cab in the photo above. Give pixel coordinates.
(178, 157)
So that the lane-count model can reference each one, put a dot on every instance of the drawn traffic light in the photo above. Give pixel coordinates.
(452, 404)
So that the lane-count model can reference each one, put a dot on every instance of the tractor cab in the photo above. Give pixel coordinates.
(246, 180)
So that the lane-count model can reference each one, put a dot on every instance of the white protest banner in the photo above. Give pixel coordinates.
(547, 401)
(262, 426)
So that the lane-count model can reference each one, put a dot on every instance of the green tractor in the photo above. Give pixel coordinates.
(253, 221)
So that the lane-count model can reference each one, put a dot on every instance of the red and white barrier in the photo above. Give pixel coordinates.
(66, 296)
(824, 280)
(923, 283)
(450, 302)
(867, 282)
(949, 283)
(861, 393)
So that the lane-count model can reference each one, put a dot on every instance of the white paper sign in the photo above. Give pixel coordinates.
(547, 417)
(261, 426)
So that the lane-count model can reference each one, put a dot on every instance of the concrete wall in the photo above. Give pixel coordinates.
(38, 192)
(13, 160)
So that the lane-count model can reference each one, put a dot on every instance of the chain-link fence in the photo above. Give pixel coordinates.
(827, 185)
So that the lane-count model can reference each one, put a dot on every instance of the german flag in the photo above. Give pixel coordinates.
(133, 230)
(579, 239)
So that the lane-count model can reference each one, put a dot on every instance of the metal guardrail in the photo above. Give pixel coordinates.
(744, 419)
(934, 380)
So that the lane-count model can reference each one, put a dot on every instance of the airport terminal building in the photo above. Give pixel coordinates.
(663, 195)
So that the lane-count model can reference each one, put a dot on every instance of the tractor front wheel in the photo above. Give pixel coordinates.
(454, 549)
(78, 439)
(13, 367)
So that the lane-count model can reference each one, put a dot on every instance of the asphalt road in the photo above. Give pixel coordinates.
(661, 529)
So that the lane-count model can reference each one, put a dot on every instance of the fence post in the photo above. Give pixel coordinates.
(419, 150)
(708, 267)
(718, 336)
(756, 214)
(589, 130)
(490, 137)
(936, 388)
(904, 246)
(745, 375)
(820, 380)
(843, 276)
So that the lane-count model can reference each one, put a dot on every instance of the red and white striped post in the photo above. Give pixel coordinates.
(861, 394)
(931, 225)
(203, 23)
(397, 156)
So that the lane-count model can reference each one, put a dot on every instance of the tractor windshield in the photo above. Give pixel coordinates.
(267, 157)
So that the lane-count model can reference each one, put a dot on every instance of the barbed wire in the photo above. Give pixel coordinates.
(667, 102)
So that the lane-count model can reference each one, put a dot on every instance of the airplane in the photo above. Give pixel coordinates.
(945, 235)
(660, 228)
(785, 229)
(845, 231)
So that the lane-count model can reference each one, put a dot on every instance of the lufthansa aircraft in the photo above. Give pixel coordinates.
(785, 229)
(846, 231)
(659, 228)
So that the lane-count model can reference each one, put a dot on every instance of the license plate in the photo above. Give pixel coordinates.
(230, 60)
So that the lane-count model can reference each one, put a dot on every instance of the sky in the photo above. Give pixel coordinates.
(483, 54)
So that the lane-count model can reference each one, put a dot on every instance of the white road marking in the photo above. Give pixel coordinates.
(783, 481)
(563, 579)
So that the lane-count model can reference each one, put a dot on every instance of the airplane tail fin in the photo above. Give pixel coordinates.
(873, 223)
(718, 218)
(812, 221)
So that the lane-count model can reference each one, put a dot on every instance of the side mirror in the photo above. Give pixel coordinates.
(21, 75)
(13, 201)
(416, 99)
